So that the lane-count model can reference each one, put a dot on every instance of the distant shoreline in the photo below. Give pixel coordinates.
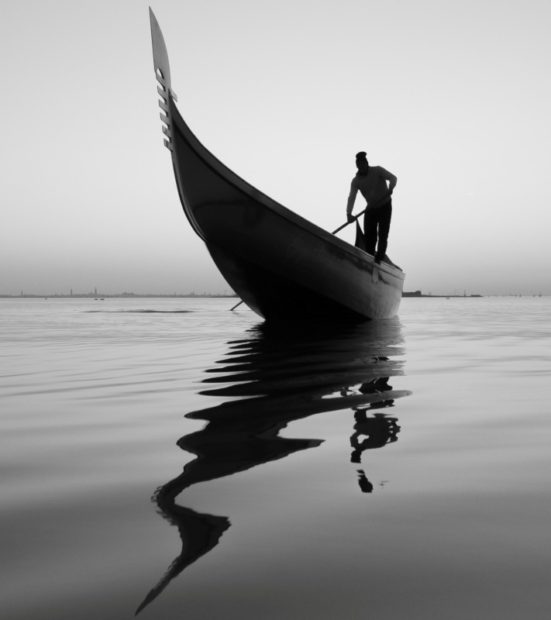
(120, 296)
(96, 296)
(420, 294)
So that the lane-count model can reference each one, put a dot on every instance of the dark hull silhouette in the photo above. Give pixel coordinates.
(280, 264)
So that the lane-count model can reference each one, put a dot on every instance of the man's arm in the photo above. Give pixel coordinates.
(392, 180)
(351, 199)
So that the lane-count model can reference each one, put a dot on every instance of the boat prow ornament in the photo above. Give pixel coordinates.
(162, 73)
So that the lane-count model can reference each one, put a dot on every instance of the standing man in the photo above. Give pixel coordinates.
(372, 183)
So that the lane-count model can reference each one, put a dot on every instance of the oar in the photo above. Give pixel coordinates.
(349, 222)
(377, 204)
(237, 304)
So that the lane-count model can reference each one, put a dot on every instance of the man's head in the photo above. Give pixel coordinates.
(361, 162)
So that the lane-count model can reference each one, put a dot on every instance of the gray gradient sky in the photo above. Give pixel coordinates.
(453, 97)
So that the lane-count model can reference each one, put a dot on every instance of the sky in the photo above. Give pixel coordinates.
(452, 97)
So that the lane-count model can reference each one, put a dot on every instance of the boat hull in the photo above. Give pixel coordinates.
(283, 272)
(281, 265)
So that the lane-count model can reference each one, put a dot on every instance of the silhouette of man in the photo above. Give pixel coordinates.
(372, 181)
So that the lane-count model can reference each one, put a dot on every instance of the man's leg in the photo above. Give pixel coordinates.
(370, 230)
(385, 214)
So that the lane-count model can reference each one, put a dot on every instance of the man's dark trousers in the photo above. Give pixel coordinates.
(377, 224)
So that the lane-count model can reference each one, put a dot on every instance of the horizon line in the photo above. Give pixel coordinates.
(232, 295)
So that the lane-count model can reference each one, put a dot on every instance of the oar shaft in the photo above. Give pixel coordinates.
(378, 204)
(349, 222)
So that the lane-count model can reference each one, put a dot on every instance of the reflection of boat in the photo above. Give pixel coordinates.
(270, 379)
(281, 265)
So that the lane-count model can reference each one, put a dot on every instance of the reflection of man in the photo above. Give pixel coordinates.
(371, 181)
(376, 385)
(373, 432)
(378, 430)
(364, 483)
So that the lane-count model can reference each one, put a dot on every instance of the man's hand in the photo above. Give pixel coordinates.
(350, 217)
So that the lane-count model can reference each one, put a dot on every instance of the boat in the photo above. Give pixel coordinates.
(284, 267)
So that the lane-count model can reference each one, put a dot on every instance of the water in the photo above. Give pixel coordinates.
(171, 457)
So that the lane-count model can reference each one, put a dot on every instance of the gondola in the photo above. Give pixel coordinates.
(285, 268)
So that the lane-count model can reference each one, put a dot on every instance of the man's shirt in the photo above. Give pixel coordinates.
(372, 186)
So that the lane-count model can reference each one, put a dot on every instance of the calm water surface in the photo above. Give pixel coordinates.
(170, 457)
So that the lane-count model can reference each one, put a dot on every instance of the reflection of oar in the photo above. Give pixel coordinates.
(353, 219)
